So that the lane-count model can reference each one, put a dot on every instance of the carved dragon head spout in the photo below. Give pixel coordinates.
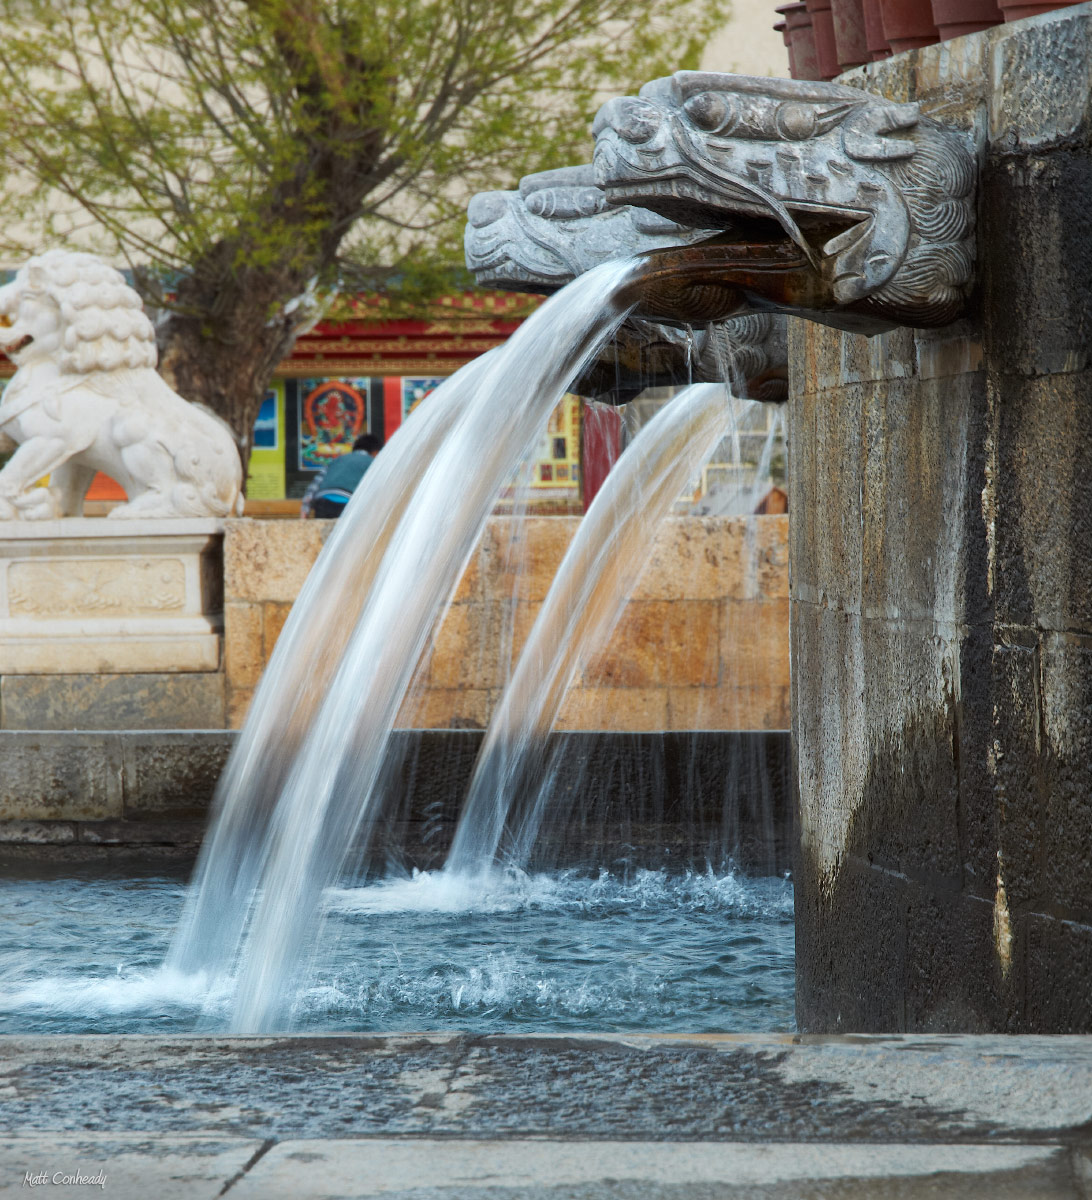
(832, 203)
(557, 226)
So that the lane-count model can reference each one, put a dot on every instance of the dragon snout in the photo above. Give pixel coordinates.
(634, 120)
(486, 208)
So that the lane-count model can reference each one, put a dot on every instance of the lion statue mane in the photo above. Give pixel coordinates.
(86, 397)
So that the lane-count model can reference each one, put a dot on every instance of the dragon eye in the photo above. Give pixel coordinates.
(795, 121)
(635, 120)
(712, 112)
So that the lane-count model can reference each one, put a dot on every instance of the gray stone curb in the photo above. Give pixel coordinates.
(450, 1117)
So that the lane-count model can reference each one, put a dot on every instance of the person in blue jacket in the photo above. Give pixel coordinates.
(329, 491)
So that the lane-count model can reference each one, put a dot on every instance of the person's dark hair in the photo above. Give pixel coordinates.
(370, 442)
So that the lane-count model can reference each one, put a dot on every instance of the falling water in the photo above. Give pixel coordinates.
(321, 795)
(748, 482)
(761, 477)
(307, 653)
(588, 594)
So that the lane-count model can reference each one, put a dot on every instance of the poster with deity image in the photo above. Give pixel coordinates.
(414, 390)
(333, 414)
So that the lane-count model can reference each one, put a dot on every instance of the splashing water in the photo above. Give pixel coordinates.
(585, 601)
(698, 951)
(317, 800)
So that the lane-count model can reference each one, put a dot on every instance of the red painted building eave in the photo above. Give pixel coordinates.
(370, 329)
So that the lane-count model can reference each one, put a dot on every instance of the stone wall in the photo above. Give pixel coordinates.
(110, 646)
(684, 799)
(941, 492)
(703, 643)
(108, 788)
(265, 564)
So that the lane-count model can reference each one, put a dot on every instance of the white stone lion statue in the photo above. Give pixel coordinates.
(86, 397)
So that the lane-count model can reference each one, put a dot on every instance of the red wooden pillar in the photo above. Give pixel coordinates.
(600, 445)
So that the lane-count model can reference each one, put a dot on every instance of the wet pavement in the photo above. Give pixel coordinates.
(447, 1116)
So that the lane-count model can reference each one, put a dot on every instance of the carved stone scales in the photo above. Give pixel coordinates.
(831, 203)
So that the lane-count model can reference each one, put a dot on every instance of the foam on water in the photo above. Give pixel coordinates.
(512, 890)
(127, 991)
(563, 951)
(505, 984)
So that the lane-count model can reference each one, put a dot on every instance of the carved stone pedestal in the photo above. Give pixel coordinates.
(85, 595)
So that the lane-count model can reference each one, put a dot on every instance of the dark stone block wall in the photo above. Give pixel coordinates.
(941, 583)
(681, 799)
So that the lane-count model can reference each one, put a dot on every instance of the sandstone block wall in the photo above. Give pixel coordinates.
(941, 547)
(703, 643)
(265, 564)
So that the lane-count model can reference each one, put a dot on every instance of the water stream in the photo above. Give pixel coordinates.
(292, 688)
(324, 804)
(596, 576)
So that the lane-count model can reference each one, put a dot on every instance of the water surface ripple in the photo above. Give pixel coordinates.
(702, 952)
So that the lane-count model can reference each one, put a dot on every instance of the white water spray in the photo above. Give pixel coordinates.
(308, 653)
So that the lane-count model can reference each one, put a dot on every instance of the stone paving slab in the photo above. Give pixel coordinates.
(122, 1166)
(134, 1167)
(920, 1088)
(588, 1117)
(517, 1170)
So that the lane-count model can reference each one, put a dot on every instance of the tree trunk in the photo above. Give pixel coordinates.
(225, 354)
(229, 329)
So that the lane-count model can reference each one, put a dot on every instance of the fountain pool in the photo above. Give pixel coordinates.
(279, 931)
(81, 950)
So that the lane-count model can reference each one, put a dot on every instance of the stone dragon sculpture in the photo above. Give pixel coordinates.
(830, 202)
(557, 226)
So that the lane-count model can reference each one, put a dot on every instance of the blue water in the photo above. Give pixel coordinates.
(81, 953)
